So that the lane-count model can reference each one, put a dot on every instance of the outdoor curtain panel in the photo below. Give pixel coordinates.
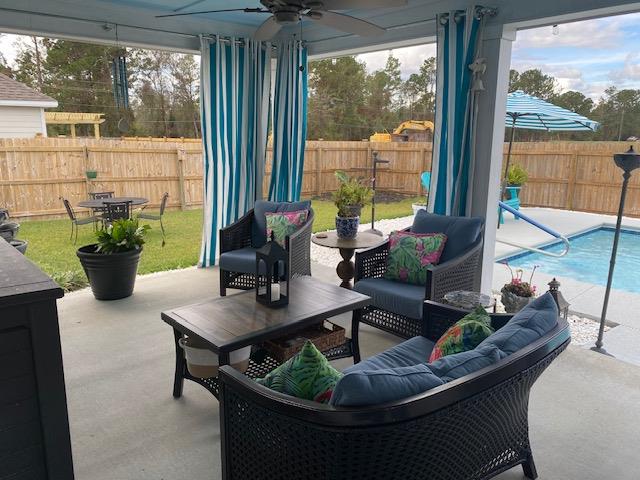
(458, 40)
(235, 77)
(289, 122)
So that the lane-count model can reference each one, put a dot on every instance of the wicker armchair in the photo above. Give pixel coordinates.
(460, 273)
(472, 428)
(238, 237)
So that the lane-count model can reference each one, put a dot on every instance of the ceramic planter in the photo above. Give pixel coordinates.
(514, 303)
(20, 245)
(111, 276)
(9, 230)
(347, 227)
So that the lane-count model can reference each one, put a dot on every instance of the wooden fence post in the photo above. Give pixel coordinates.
(318, 171)
(85, 163)
(423, 164)
(571, 181)
(180, 164)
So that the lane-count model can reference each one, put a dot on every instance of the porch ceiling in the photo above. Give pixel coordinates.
(94, 20)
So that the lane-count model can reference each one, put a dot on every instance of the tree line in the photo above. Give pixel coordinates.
(346, 102)
(163, 86)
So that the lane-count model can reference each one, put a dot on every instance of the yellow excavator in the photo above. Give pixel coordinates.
(409, 131)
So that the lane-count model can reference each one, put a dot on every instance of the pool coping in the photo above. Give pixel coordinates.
(546, 245)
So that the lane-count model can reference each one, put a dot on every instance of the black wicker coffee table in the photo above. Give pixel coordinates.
(225, 324)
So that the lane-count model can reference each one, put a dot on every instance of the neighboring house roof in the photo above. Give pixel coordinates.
(16, 94)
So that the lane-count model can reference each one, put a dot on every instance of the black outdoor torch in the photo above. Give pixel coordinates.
(376, 161)
(628, 162)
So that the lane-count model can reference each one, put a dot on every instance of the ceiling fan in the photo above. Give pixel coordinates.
(289, 12)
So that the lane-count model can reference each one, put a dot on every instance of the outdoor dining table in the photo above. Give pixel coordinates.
(101, 202)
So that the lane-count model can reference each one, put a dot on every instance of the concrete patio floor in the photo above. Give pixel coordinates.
(125, 424)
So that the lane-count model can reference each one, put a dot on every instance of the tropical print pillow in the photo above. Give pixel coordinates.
(410, 255)
(306, 375)
(283, 224)
(466, 334)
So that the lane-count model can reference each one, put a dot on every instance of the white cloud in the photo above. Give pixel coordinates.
(630, 70)
(410, 58)
(604, 33)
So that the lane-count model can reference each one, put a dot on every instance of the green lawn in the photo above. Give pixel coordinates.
(50, 248)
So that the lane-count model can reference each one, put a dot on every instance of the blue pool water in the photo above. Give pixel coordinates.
(588, 259)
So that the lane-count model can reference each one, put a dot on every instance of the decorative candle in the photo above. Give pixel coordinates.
(275, 292)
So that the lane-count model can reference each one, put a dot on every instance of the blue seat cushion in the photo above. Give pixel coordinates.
(410, 352)
(373, 387)
(460, 364)
(462, 232)
(242, 260)
(259, 224)
(528, 325)
(396, 297)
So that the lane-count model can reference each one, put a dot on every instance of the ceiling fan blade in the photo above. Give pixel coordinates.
(267, 30)
(349, 24)
(245, 10)
(349, 4)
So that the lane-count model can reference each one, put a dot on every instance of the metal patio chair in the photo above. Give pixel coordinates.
(158, 216)
(117, 211)
(75, 221)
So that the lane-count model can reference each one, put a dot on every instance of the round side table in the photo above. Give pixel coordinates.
(346, 269)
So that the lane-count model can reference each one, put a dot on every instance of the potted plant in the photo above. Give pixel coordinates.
(517, 294)
(351, 196)
(111, 264)
(517, 176)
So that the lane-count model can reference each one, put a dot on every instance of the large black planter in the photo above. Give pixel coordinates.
(111, 276)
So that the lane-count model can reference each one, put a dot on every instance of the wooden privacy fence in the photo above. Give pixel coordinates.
(34, 173)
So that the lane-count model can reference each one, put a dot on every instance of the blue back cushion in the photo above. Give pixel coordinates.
(373, 387)
(408, 353)
(528, 325)
(458, 365)
(259, 225)
(461, 232)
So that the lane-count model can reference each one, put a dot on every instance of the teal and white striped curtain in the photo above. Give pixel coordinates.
(289, 122)
(235, 76)
(458, 40)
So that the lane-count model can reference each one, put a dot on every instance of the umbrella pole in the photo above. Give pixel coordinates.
(503, 185)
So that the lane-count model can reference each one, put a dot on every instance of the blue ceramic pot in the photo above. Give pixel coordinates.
(347, 227)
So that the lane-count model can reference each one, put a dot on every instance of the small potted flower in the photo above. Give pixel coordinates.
(351, 196)
(111, 264)
(517, 294)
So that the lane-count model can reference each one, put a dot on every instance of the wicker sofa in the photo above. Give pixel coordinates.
(471, 428)
(397, 307)
(238, 244)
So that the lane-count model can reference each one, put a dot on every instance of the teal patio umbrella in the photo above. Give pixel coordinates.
(527, 111)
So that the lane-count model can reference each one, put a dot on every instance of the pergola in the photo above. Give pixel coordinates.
(134, 23)
(75, 118)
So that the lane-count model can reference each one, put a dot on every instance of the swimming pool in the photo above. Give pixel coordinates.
(588, 259)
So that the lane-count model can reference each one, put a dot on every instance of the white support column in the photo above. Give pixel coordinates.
(496, 49)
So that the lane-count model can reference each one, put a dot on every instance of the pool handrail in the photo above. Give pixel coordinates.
(544, 228)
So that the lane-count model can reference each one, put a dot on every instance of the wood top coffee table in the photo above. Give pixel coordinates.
(225, 324)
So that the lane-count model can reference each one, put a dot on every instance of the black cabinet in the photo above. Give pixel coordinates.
(34, 426)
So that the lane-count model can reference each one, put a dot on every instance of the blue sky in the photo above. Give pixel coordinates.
(588, 56)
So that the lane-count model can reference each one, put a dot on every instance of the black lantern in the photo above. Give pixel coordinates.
(563, 305)
(272, 275)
